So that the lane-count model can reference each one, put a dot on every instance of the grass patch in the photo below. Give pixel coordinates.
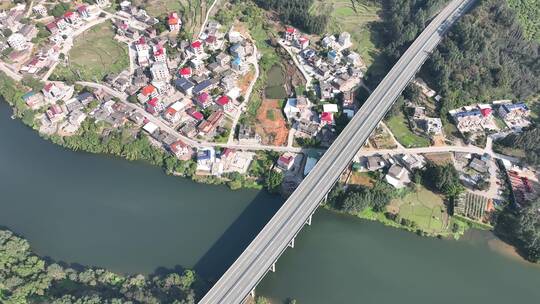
(275, 83)
(94, 55)
(423, 207)
(400, 128)
(270, 115)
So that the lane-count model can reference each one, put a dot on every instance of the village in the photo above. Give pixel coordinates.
(188, 97)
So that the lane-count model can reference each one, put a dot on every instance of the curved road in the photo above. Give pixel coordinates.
(256, 260)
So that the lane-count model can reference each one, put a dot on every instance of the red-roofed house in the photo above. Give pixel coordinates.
(302, 43)
(71, 17)
(212, 42)
(55, 113)
(83, 11)
(224, 103)
(197, 47)
(159, 53)
(181, 150)
(52, 27)
(196, 114)
(147, 92)
(154, 106)
(290, 33)
(203, 100)
(285, 161)
(486, 112)
(185, 72)
(327, 118)
(174, 22)
(172, 115)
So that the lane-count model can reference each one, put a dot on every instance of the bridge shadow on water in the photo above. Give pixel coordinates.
(236, 238)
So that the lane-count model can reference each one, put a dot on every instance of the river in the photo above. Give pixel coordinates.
(130, 217)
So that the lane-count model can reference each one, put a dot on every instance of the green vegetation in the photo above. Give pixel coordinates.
(59, 9)
(273, 181)
(528, 14)
(484, 57)
(355, 17)
(297, 13)
(275, 84)
(423, 208)
(402, 22)
(12, 93)
(122, 143)
(521, 228)
(400, 128)
(358, 198)
(525, 145)
(94, 55)
(443, 179)
(28, 278)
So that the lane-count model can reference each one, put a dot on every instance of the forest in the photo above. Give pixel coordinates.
(28, 278)
(528, 141)
(484, 57)
(297, 13)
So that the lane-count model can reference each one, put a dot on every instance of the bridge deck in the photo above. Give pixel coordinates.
(252, 265)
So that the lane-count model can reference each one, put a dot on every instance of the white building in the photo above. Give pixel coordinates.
(17, 42)
(344, 40)
(160, 71)
(40, 10)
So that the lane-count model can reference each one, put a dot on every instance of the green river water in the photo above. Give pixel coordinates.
(130, 217)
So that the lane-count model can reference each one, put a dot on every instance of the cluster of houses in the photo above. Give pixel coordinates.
(17, 46)
(197, 92)
(24, 56)
(397, 169)
(479, 118)
(338, 71)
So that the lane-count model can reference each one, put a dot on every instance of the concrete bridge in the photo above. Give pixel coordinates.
(261, 255)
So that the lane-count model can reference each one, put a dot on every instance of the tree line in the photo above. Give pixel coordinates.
(528, 141)
(28, 278)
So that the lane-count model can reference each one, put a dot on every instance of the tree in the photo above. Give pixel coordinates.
(528, 230)
(444, 179)
(132, 99)
(59, 9)
(273, 181)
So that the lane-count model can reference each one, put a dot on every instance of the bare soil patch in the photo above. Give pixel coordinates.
(271, 125)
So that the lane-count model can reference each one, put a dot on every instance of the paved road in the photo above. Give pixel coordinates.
(252, 265)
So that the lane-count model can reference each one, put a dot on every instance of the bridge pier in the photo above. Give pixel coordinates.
(291, 244)
(273, 267)
(308, 222)
(252, 293)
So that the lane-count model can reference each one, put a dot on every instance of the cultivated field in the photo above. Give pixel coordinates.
(353, 16)
(94, 55)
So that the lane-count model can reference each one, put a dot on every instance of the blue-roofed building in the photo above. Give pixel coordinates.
(204, 86)
(205, 159)
(237, 64)
(85, 98)
(333, 57)
(33, 100)
(512, 111)
(184, 85)
(469, 121)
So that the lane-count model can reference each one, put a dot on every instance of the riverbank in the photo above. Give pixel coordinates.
(128, 143)
(29, 278)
